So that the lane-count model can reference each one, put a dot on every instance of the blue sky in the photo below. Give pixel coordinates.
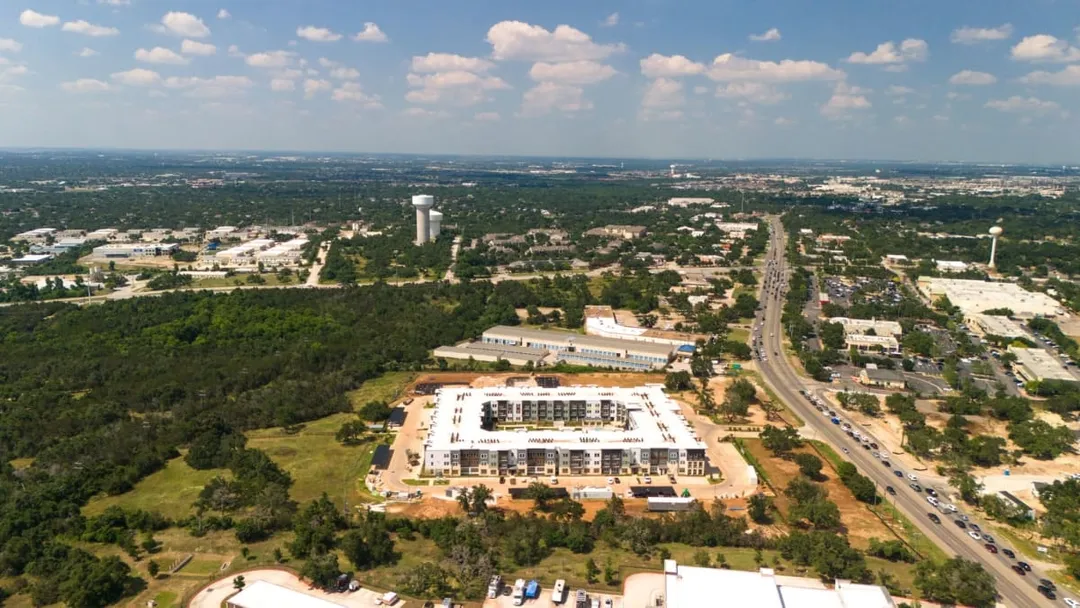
(981, 80)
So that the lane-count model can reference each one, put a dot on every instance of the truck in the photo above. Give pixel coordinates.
(532, 590)
(558, 592)
(519, 592)
(494, 587)
(581, 599)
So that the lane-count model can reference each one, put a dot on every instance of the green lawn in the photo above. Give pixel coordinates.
(165, 599)
(170, 491)
(739, 334)
(387, 387)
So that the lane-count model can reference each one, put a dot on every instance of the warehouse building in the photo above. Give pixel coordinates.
(243, 254)
(995, 325)
(571, 430)
(37, 235)
(974, 297)
(492, 353)
(601, 321)
(585, 350)
(1036, 365)
(134, 250)
(283, 254)
(686, 586)
(881, 378)
(869, 326)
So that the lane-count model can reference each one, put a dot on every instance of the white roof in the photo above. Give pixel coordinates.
(685, 586)
(262, 594)
(1042, 364)
(654, 420)
(976, 296)
(996, 325)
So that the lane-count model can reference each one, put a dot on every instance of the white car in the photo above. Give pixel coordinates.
(932, 500)
(951, 508)
(647, 479)
(610, 480)
(554, 480)
(912, 477)
(1071, 603)
(974, 534)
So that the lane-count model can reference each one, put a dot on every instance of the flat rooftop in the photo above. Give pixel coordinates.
(685, 586)
(654, 420)
(1042, 364)
(502, 351)
(972, 296)
(578, 340)
(262, 594)
(996, 325)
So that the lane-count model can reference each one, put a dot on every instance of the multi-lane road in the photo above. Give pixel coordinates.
(778, 372)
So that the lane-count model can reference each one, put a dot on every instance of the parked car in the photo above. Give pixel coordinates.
(647, 479)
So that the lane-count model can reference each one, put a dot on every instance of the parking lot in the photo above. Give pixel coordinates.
(505, 600)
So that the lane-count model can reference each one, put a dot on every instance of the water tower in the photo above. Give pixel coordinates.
(995, 232)
(423, 204)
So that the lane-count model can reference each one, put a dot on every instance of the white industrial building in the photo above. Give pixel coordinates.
(282, 254)
(601, 321)
(101, 234)
(869, 344)
(221, 232)
(1036, 365)
(585, 350)
(973, 297)
(866, 326)
(244, 253)
(594, 431)
(37, 235)
(263, 594)
(689, 586)
(951, 266)
(686, 201)
(996, 325)
(134, 250)
(739, 227)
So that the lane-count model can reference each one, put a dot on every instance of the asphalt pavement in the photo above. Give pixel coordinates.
(1014, 590)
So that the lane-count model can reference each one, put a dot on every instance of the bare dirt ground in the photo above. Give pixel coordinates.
(861, 525)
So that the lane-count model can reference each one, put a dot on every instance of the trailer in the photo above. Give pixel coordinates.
(519, 592)
(666, 503)
(558, 592)
(532, 590)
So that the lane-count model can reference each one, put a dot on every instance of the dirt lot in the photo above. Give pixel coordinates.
(860, 523)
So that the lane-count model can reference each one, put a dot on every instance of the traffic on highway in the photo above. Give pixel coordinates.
(930, 509)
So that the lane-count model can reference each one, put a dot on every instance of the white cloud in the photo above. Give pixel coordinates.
(344, 73)
(87, 52)
(663, 93)
(455, 88)
(31, 18)
(317, 34)
(516, 40)
(897, 90)
(611, 20)
(85, 85)
(1068, 77)
(447, 62)
(663, 66)
(571, 72)
(138, 77)
(203, 49)
(211, 88)
(353, 92)
(184, 24)
(270, 59)
(370, 33)
(1024, 105)
(160, 55)
(663, 115)
(487, 117)
(234, 51)
(754, 92)
(18, 70)
(783, 122)
(282, 85)
(7, 45)
(969, 77)
(845, 98)
(771, 35)
(89, 29)
(901, 120)
(975, 35)
(313, 86)
(423, 113)
(728, 67)
(223, 14)
(115, 2)
(954, 96)
(1044, 47)
(701, 89)
(548, 96)
(887, 53)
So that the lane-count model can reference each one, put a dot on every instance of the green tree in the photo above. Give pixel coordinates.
(956, 581)
(678, 381)
(701, 558)
(238, 582)
(153, 568)
(351, 432)
(759, 507)
(592, 571)
(1041, 439)
(322, 570)
(780, 440)
(809, 465)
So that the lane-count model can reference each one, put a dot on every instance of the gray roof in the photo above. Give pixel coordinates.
(578, 340)
(884, 375)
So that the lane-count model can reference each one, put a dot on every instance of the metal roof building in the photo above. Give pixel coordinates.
(1035, 365)
(585, 350)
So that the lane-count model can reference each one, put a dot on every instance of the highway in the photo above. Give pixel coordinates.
(778, 372)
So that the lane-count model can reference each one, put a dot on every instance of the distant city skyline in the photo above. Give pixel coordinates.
(983, 81)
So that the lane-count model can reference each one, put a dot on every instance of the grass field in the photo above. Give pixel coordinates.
(388, 387)
(271, 280)
(170, 491)
(739, 334)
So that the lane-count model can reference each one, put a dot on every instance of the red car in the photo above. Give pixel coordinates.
(991, 548)
(1019, 570)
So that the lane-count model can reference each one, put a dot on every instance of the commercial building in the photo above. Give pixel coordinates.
(491, 353)
(583, 430)
(686, 201)
(585, 350)
(101, 234)
(618, 231)
(881, 344)
(282, 254)
(951, 266)
(37, 235)
(601, 321)
(221, 232)
(995, 325)
(262, 594)
(134, 250)
(244, 253)
(61, 246)
(869, 326)
(973, 297)
(882, 378)
(739, 227)
(32, 258)
(1036, 365)
(687, 586)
